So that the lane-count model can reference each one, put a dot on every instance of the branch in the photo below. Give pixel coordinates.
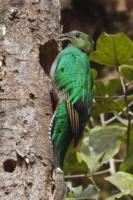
(112, 166)
(125, 91)
(129, 84)
(87, 175)
(102, 118)
(109, 170)
(118, 114)
(108, 97)
(123, 121)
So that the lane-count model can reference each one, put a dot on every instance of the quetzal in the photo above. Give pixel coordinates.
(73, 88)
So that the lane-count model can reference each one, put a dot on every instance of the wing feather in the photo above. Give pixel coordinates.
(73, 116)
(72, 76)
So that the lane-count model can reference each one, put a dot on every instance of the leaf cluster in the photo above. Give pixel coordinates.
(101, 149)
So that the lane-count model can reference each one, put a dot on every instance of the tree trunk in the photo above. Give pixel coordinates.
(26, 153)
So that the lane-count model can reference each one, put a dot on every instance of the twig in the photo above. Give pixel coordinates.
(118, 114)
(112, 166)
(125, 90)
(87, 175)
(94, 183)
(109, 97)
(129, 83)
(130, 113)
(96, 173)
(118, 160)
(123, 121)
(102, 119)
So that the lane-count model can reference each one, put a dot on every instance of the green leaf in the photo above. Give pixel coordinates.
(112, 86)
(89, 192)
(127, 165)
(101, 139)
(70, 158)
(127, 72)
(123, 181)
(112, 49)
(107, 105)
(106, 87)
(99, 88)
(92, 161)
(116, 196)
(99, 145)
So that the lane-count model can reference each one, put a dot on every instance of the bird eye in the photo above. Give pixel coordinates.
(77, 35)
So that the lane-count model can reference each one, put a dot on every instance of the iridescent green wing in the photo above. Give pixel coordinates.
(72, 76)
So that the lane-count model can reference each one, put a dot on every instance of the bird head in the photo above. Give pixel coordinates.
(79, 40)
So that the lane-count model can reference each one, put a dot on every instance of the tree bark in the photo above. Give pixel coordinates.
(26, 153)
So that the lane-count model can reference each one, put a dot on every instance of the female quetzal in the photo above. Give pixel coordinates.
(72, 84)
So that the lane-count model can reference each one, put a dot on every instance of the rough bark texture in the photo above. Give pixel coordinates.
(26, 154)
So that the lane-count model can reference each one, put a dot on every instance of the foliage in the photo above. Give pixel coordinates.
(123, 181)
(127, 71)
(113, 50)
(105, 151)
(80, 193)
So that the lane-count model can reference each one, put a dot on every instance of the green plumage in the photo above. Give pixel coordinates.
(61, 133)
(72, 73)
(73, 82)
